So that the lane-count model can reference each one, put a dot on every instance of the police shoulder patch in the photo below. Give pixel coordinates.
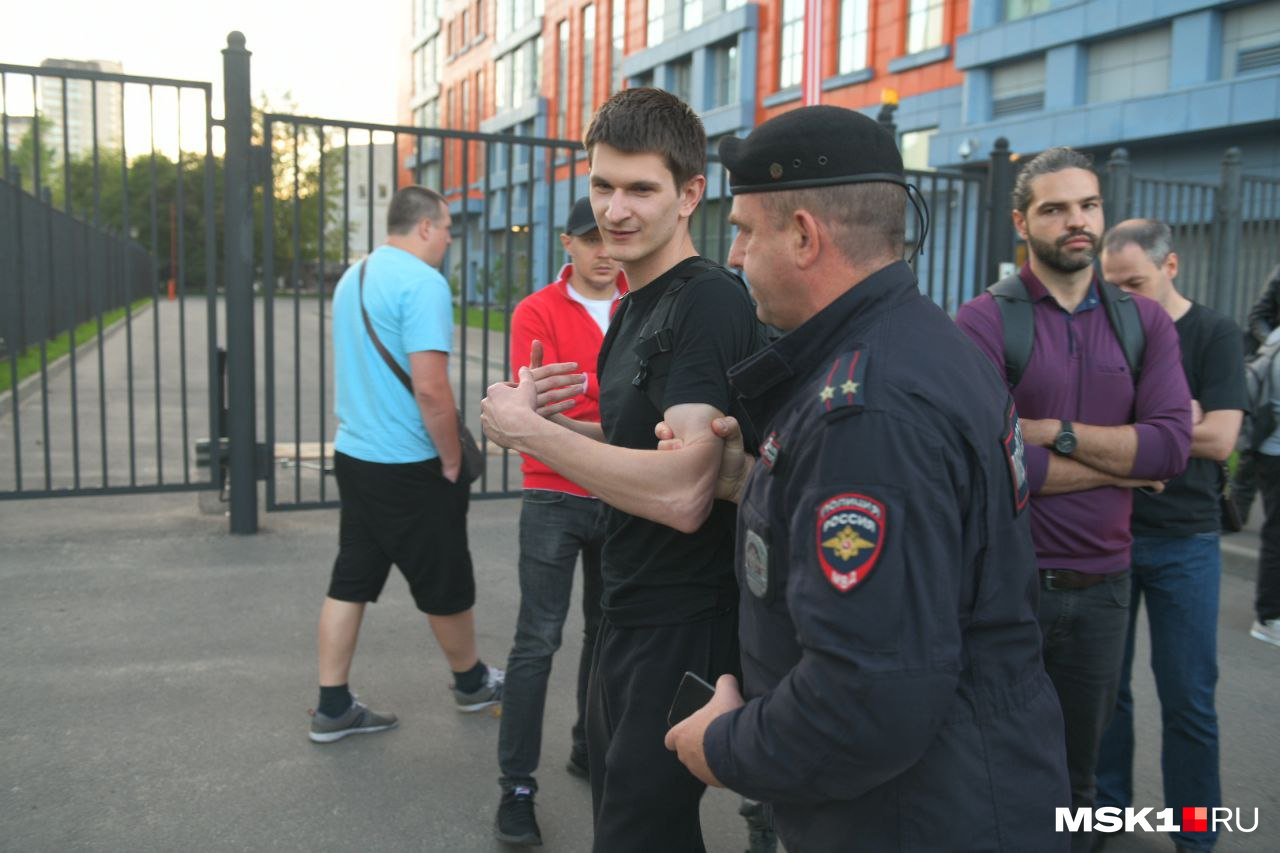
(1013, 446)
(850, 537)
(843, 384)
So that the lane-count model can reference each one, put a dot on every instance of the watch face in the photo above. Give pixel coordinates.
(1065, 442)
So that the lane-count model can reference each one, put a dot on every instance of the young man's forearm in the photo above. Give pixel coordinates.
(671, 488)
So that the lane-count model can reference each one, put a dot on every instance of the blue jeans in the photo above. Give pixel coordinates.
(554, 528)
(1179, 578)
(1084, 633)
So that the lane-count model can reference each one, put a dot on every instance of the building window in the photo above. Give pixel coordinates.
(1015, 9)
(426, 10)
(690, 14)
(915, 149)
(588, 64)
(724, 74)
(1017, 88)
(682, 79)
(618, 35)
(1130, 66)
(733, 4)
(853, 36)
(791, 66)
(464, 32)
(562, 79)
(655, 12)
(502, 83)
(924, 25)
(1251, 38)
(514, 14)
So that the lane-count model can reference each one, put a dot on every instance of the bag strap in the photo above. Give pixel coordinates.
(1018, 320)
(382, 350)
(1126, 322)
(1017, 317)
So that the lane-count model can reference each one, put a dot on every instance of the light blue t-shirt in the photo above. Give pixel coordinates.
(411, 309)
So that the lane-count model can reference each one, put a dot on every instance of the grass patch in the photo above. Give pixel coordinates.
(475, 318)
(29, 359)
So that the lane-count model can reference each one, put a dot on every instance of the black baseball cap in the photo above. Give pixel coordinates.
(581, 219)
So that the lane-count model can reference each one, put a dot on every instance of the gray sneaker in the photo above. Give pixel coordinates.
(489, 693)
(358, 720)
(1267, 632)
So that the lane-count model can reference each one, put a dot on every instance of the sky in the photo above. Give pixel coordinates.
(337, 60)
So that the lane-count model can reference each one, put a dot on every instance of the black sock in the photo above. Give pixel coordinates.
(471, 680)
(334, 701)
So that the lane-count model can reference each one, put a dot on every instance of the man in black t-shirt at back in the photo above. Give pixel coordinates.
(1176, 557)
(670, 598)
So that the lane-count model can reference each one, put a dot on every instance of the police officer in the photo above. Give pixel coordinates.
(895, 694)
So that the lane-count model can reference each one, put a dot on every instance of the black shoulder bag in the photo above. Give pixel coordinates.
(472, 458)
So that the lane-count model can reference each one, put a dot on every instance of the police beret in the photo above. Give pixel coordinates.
(818, 146)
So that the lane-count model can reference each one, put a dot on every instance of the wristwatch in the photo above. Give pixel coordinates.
(1065, 443)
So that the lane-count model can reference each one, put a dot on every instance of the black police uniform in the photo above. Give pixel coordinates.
(896, 694)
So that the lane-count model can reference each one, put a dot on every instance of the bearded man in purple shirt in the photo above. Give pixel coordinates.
(1092, 434)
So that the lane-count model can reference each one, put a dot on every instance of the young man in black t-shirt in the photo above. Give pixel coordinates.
(1176, 558)
(670, 598)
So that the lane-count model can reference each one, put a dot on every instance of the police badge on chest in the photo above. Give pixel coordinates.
(755, 561)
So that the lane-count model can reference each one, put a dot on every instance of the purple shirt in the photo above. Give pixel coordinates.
(1077, 372)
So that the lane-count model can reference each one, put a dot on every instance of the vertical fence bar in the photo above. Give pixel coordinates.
(45, 333)
(269, 297)
(239, 270)
(127, 267)
(295, 253)
(17, 339)
(155, 293)
(217, 423)
(102, 291)
(320, 300)
(465, 286)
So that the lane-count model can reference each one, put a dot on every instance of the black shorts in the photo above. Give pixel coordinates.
(410, 515)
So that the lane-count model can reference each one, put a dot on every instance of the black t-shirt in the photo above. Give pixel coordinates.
(654, 574)
(1212, 358)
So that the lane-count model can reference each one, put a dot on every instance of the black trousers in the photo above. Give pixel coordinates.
(642, 797)
(1267, 601)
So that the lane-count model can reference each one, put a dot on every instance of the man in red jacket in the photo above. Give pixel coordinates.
(559, 519)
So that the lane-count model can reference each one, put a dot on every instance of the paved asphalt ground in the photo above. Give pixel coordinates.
(156, 672)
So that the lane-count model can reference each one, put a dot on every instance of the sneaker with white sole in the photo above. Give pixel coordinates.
(487, 695)
(1267, 631)
(356, 720)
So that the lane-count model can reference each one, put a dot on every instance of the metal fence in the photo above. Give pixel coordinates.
(61, 271)
(99, 228)
(1227, 235)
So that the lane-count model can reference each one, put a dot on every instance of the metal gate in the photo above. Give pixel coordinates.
(107, 282)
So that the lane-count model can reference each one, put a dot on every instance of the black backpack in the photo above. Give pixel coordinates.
(1018, 318)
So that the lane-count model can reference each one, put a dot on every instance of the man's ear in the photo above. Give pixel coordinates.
(1171, 266)
(690, 194)
(1020, 223)
(807, 238)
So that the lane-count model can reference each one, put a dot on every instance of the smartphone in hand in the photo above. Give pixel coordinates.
(692, 694)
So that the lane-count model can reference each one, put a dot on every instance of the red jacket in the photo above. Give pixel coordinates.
(567, 333)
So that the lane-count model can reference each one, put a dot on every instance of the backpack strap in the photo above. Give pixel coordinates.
(1126, 322)
(1017, 317)
(657, 334)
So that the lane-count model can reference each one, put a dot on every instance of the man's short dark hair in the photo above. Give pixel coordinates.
(651, 121)
(1046, 162)
(866, 219)
(1152, 236)
(412, 204)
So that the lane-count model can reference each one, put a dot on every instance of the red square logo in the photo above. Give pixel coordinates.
(1195, 819)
